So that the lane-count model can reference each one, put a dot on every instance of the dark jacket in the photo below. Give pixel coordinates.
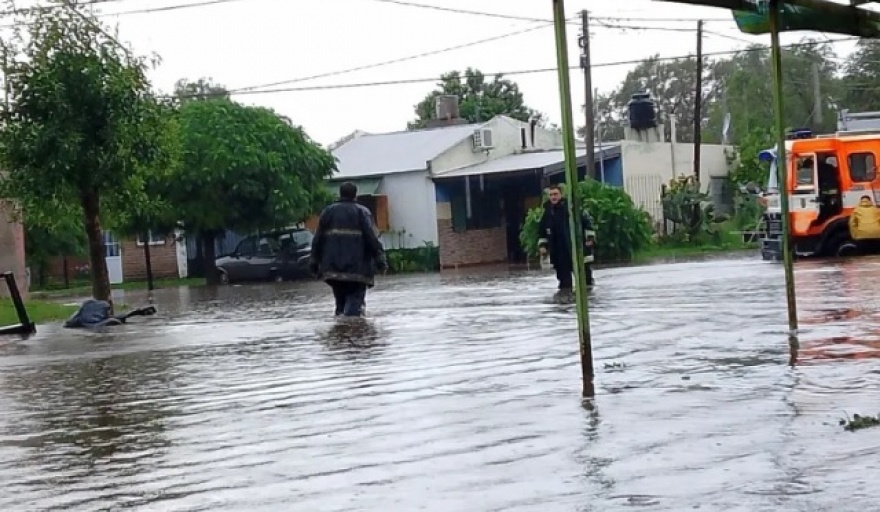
(555, 234)
(346, 245)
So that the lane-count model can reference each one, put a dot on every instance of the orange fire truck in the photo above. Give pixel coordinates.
(833, 191)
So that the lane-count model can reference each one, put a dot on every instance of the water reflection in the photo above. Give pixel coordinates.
(75, 420)
(353, 337)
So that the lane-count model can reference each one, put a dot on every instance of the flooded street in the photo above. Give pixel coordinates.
(461, 393)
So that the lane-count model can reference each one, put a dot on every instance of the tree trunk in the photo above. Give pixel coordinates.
(66, 272)
(209, 254)
(100, 277)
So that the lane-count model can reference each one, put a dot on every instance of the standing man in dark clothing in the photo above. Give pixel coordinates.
(346, 251)
(556, 238)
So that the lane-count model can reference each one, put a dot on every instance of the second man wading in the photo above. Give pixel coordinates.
(555, 238)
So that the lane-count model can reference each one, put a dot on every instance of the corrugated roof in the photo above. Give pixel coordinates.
(526, 161)
(387, 153)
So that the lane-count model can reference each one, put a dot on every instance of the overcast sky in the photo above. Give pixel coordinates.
(246, 43)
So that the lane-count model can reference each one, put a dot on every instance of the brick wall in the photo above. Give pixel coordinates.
(472, 247)
(12, 251)
(163, 259)
(134, 265)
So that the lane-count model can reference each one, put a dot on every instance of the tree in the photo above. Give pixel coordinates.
(673, 86)
(479, 99)
(244, 169)
(82, 126)
(861, 76)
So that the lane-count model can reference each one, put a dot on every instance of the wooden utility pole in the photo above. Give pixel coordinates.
(817, 99)
(698, 103)
(590, 126)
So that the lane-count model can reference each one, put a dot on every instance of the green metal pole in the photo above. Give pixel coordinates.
(574, 200)
(782, 169)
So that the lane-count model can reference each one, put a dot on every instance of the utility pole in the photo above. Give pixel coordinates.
(698, 103)
(575, 209)
(589, 127)
(599, 138)
(817, 98)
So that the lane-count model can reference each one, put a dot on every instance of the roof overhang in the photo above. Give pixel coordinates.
(365, 186)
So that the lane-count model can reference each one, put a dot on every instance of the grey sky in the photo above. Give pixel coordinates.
(243, 43)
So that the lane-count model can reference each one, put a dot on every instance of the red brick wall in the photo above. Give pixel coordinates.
(134, 265)
(472, 247)
(162, 257)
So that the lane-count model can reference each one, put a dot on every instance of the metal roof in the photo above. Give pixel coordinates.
(548, 161)
(388, 153)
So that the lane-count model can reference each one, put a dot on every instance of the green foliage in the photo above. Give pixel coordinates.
(622, 228)
(748, 168)
(859, 422)
(861, 76)
(82, 127)
(742, 86)
(691, 212)
(246, 169)
(479, 99)
(421, 259)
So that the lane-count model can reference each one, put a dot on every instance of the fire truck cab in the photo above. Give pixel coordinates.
(828, 178)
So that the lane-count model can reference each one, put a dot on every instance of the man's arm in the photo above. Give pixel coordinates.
(318, 240)
(371, 237)
(543, 242)
(589, 230)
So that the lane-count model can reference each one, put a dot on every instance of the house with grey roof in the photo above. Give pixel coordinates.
(407, 178)
(468, 187)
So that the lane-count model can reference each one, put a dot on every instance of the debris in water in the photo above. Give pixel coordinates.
(859, 422)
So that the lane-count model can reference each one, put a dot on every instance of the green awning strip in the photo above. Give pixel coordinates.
(365, 186)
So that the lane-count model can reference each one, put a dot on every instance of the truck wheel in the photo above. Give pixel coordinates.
(841, 246)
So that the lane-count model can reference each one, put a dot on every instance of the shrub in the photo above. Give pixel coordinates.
(622, 228)
(420, 259)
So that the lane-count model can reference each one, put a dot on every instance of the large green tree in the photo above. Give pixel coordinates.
(480, 98)
(740, 85)
(82, 126)
(861, 80)
(244, 169)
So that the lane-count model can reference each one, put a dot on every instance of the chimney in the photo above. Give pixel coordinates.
(533, 123)
(446, 112)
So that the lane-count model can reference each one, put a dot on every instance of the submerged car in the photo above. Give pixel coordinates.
(277, 256)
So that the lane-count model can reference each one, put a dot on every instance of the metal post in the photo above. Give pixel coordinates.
(573, 198)
(698, 104)
(25, 325)
(782, 167)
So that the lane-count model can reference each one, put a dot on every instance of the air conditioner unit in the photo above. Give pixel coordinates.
(483, 139)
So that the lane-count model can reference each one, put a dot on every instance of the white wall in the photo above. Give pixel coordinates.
(507, 140)
(648, 166)
(411, 199)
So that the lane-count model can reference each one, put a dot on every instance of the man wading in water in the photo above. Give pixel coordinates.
(346, 251)
(556, 238)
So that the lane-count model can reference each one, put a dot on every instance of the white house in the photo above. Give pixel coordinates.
(468, 187)
(394, 171)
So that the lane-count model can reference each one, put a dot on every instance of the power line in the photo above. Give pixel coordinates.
(395, 61)
(527, 18)
(249, 91)
(173, 7)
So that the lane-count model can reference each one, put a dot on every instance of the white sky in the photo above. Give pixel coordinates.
(243, 43)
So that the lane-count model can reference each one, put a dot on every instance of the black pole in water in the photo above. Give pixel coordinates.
(25, 325)
(149, 261)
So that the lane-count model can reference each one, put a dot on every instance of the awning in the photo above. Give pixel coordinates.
(365, 186)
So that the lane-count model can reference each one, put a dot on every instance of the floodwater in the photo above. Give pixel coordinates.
(461, 393)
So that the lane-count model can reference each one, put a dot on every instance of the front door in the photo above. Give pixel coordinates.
(113, 258)
(805, 199)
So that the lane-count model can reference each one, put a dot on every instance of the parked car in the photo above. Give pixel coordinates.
(277, 256)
